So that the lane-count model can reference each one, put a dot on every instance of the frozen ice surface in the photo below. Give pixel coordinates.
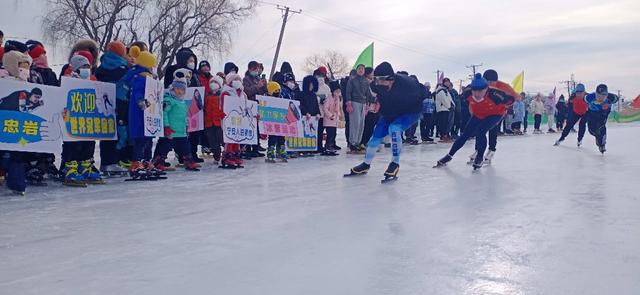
(540, 220)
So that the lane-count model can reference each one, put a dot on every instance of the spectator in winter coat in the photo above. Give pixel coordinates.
(428, 109)
(323, 93)
(135, 81)
(289, 88)
(113, 67)
(85, 47)
(371, 110)
(550, 111)
(537, 109)
(254, 85)
(185, 59)
(77, 156)
(17, 65)
(518, 115)
(562, 113)
(527, 105)
(233, 89)
(230, 68)
(332, 108)
(213, 115)
(444, 103)
(276, 144)
(174, 116)
(41, 64)
(308, 99)
(356, 96)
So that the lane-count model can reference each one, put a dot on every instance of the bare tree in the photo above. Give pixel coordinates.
(99, 20)
(202, 24)
(168, 25)
(334, 61)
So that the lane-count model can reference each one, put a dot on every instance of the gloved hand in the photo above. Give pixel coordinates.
(168, 132)
(349, 107)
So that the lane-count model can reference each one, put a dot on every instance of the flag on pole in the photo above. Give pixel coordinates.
(366, 57)
(518, 83)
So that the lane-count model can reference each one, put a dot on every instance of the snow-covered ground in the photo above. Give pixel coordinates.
(540, 220)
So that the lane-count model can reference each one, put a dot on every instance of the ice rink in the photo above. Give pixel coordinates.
(539, 220)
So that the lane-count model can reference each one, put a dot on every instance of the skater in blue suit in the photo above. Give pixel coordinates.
(400, 100)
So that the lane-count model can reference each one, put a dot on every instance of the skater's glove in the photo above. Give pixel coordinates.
(349, 107)
(168, 132)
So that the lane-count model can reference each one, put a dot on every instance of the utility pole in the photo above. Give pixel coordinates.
(571, 84)
(286, 10)
(461, 85)
(437, 77)
(473, 68)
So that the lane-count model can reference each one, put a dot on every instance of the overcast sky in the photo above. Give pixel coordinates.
(598, 41)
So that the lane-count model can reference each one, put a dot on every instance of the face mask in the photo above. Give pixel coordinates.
(214, 87)
(253, 73)
(237, 85)
(191, 65)
(382, 88)
(291, 85)
(23, 74)
(84, 73)
(41, 61)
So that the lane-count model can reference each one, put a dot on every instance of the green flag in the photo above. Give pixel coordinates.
(366, 57)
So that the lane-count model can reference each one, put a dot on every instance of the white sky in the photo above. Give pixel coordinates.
(598, 41)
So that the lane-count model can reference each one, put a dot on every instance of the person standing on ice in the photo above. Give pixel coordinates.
(600, 104)
(487, 105)
(537, 109)
(400, 99)
(577, 108)
(550, 110)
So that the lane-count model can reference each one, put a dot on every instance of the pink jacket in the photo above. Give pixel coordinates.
(331, 111)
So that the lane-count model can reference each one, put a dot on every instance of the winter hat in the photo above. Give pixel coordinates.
(228, 67)
(86, 54)
(602, 89)
(580, 88)
(273, 87)
(87, 45)
(479, 82)
(12, 59)
(144, 59)
(286, 68)
(180, 83)
(490, 75)
(278, 77)
(288, 77)
(78, 61)
(11, 45)
(368, 71)
(384, 70)
(215, 79)
(117, 47)
(322, 70)
(232, 77)
(36, 51)
(204, 63)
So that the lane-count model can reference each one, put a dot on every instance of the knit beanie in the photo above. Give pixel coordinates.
(78, 61)
(37, 51)
(479, 82)
(86, 54)
(490, 75)
(144, 59)
(383, 70)
(117, 47)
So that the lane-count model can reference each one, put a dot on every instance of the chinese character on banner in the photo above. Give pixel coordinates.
(30, 128)
(11, 126)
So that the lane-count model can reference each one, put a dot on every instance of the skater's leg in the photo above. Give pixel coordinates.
(537, 121)
(573, 118)
(493, 136)
(320, 146)
(582, 127)
(379, 132)
(331, 137)
(485, 126)
(163, 147)
(182, 146)
(396, 128)
(525, 122)
(16, 180)
(469, 130)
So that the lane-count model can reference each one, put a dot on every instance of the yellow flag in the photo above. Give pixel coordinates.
(518, 82)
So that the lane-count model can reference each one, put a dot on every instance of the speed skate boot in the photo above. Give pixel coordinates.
(443, 162)
(361, 169)
(271, 154)
(90, 173)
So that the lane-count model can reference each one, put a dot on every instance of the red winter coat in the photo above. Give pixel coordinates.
(494, 103)
(579, 105)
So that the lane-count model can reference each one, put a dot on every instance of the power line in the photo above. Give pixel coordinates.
(473, 67)
(377, 38)
(286, 10)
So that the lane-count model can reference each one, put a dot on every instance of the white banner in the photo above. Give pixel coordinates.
(240, 124)
(90, 110)
(153, 96)
(31, 117)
